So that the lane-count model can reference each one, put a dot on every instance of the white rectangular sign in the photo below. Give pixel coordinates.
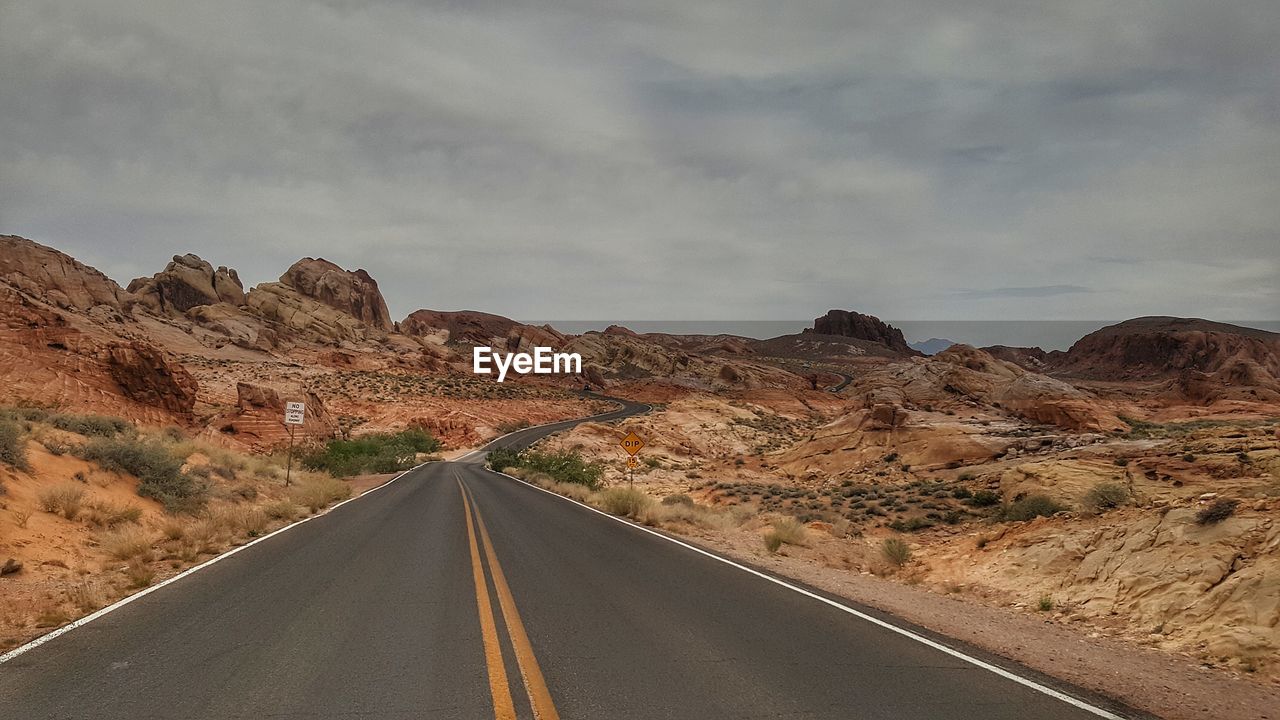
(294, 413)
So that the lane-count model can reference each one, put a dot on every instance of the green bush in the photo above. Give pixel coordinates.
(13, 445)
(566, 467)
(90, 425)
(375, 453)
(1032, 506)
(503, 458)
(158, 469)
(1105, 496)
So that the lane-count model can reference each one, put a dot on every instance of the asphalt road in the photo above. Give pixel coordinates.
(455, 592)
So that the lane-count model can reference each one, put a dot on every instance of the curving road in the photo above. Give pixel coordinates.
(455, 592)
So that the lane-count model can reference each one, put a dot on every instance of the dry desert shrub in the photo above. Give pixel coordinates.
(20, 518)
(317, 491)
(172, 528)
(125, 543)
(896, 551)
(86, 595)
(285, 510)
(103, 514)
(140, 575)
(626, 502)
(63, 498)
(237, 519)
(1105, 496)
(1218, 511)
(786, 531)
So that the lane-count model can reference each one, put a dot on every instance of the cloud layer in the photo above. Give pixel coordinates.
(666, 160)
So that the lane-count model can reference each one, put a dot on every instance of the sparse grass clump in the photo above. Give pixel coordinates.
(317, 493)
(158, 469)
(1217, 511)
(369, 454)
(64, 499)
(1045, 604)
(565, 467)
(786, 531)
(1030, 507)
(103, 514)
(13, 444)
(1105, 496)
(626, 502)
(896, 551)
(285, 510)
(125, 543)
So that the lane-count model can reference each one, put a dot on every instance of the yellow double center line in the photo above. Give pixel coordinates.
(499, 688)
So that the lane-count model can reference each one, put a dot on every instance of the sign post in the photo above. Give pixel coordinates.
(632, 443)
(295, 414)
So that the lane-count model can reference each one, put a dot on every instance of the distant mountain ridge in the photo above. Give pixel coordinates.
(932, 346)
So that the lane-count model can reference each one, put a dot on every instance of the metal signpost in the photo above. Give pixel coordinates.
(295, 414)
(632, 443)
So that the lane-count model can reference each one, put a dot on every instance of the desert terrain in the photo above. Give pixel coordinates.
(1125, 492)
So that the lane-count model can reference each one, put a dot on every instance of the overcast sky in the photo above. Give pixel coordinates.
(681, 159)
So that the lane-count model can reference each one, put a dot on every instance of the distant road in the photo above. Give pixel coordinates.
(455, 592)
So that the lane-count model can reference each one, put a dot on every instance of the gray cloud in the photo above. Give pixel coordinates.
(673, 160)
(1024, 292)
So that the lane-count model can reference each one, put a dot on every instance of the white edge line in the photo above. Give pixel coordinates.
(218, 558)
(1008, 675)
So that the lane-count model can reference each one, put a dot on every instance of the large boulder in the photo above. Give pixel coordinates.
(188, 282)
(353, 293)
(55, 277)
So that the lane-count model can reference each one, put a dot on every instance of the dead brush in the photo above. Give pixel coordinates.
(786, 531)
(106, 515)
(203, 536)
(285, 510)
(240, 520)
(319, 491)
(65, 499)
(125, 543)
(139, 574)
(172, 528)
(86, 595)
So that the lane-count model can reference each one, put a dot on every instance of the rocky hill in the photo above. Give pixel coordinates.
(846, 323)
(1201, 361)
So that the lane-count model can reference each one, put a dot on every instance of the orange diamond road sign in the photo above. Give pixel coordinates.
(632, 443)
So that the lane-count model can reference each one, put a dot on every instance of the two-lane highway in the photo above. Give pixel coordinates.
(455, 592)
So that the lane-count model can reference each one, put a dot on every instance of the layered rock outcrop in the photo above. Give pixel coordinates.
(258, 420)
(188, 282)
(354, 293)
(55, 277)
